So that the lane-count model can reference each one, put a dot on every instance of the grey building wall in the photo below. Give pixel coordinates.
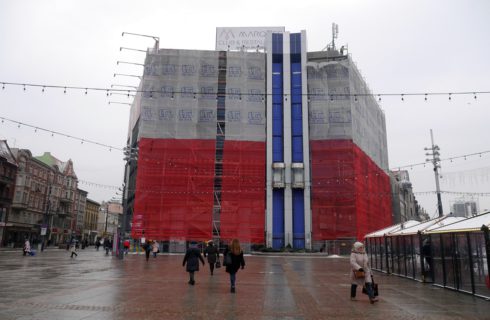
(342, 107)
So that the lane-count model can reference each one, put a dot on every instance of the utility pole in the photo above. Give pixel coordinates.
(436, 163)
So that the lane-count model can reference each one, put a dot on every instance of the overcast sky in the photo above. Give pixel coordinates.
(399, 46)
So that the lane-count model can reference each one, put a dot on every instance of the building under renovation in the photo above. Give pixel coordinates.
(258, 140)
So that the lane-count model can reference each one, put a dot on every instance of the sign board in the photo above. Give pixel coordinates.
(43, 231)
(243, 38)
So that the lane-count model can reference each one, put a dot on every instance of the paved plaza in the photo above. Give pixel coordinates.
(52, 286)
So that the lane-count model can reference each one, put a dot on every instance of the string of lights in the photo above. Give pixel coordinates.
(171, 93)
(99, 185)
(464, 156)
(144, 191)
(174, 162)
(36, 128)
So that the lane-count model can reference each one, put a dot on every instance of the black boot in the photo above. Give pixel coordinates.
(353, 289)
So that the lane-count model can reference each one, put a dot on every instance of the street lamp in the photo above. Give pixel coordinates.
(157, 39)
(124, 86)
(116, 102)
(123, 94)
(121, 49)
(127, 75)
(125, 62)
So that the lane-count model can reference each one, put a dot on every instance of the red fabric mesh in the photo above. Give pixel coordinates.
(243, 196)
(351, 195)
(174, 189)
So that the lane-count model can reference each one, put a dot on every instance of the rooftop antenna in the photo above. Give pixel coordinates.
(335, 34)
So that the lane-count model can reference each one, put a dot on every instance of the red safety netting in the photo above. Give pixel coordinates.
(351, 195)
(174, 189)
(243, 191)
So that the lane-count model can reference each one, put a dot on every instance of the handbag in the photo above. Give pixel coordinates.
(375, 288)
(218, 264)
(359, 274)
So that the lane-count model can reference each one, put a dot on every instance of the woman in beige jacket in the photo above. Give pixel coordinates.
(359, 261)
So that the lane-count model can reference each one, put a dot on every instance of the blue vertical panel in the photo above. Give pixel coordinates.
(277, 108)
(277, 138)
(298, 219)
(297, 137)
(278, 219)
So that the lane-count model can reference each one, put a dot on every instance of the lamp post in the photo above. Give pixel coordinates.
(130, 154)
(106, 217)
(44, 226)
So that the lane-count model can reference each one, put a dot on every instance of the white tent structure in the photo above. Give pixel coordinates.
(447, 251)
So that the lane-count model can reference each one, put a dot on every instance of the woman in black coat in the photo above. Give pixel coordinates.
(234, 251)
(212, 254)
(192, 257)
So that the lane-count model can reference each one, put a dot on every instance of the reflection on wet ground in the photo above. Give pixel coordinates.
(94, 286)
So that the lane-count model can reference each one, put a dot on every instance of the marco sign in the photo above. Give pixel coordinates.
(235, 38)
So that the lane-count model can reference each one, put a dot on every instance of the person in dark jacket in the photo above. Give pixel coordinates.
(236, 254)
(212, 253)
(147, 246)
(107, 246)
(191, 258)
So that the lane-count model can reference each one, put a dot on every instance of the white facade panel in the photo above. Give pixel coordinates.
(245, 98)
(179, 101)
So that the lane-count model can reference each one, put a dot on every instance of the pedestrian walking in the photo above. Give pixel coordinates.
(155, 248)
(360, 273)
(233, 260)
(73, 249)
(126, 246)
(97, 244)
(143, 239)
(147, 248)
(212, 253)
(191, 261)
(27, 248)
(107, 246)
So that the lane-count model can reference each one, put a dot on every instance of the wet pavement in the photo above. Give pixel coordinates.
(52, 286)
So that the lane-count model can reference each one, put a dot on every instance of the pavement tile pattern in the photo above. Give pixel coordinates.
(53, 286)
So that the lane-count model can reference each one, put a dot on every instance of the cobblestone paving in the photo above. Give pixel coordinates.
(52, 286)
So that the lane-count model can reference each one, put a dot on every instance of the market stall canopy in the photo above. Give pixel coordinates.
(471, 224)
